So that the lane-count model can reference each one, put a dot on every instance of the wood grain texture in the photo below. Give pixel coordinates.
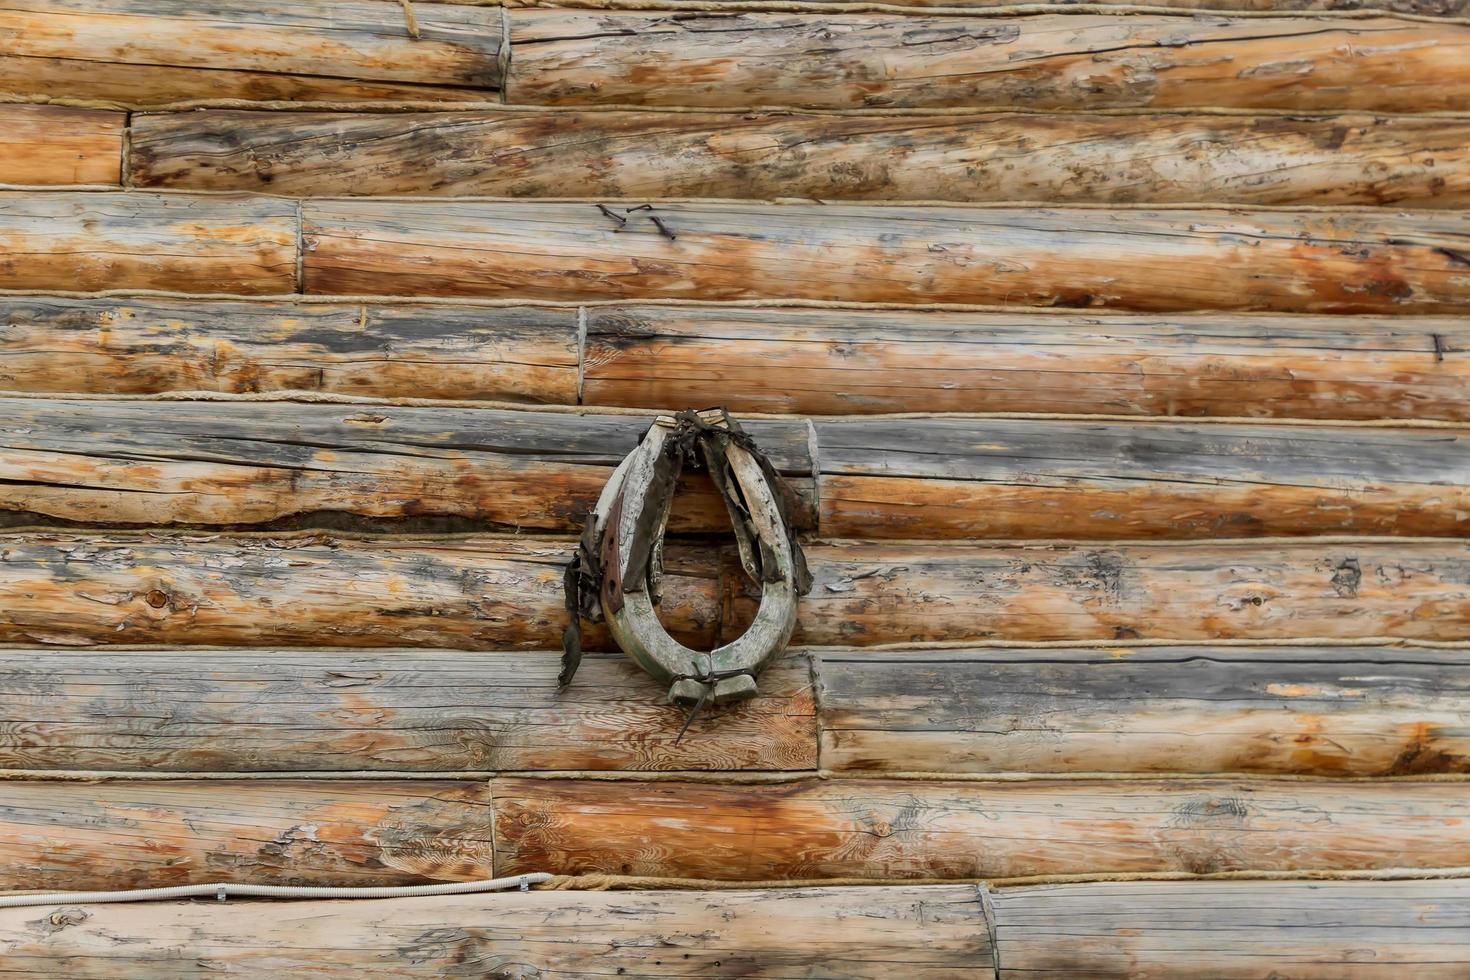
(1011, 478)
(1352, 262)
(1423, 8)
(1044, 61)
(153, 52)
(141, 834)
(145, 346)
(87, 241)
(1351, 711)
(44, 144)
(984, 157)
(391, 710)
(211, 463)
(1241, 930)
(931, 829)
(925, 932)
(854, 362)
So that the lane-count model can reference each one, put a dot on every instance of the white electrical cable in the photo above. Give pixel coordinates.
(223, 890)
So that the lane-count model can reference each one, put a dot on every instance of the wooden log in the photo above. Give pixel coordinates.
(1354, 711)
(854, 362)
(144, 346)
(924, 932)
(81, 836)
(395, 711)
(982, 157)
(213, 463)
(86, 241)
(44, 144)
(1349, 262)
(1045, 61)
(63, 589)
(898, 829)
(1422, 8)
(1009, 478)
(1253, 930)
(153, 52)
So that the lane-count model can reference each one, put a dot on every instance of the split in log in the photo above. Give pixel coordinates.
(396, 710)
(1046, 61)
(153, 52)
(1305, 262)
(1351, 711)
(919, 932)
(43, 144)
(985, 157)
(144, 346)
(499, 593)
(930, 829)
(852, 362)
(1249, 930)
(140, 834)
(87, 241)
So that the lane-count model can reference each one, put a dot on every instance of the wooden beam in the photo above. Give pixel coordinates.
(1304, 262)
(153, 52)
(180, 243)
(1326, 930)
(1044, 61)
(1349, 711)
(394, 710)
(854, 362)
(925, 933)
(980, 157)
(78, 836)
(896, 829)
(45, 144)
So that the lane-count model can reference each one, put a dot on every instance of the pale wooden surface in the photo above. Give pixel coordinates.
(896, 829)
(389, 710)
(926, 933)
(1234, 930)
(1347, 262)
(1348, 711)
(41, 144)
(153, 52)
(1043, 61)
(997, 157)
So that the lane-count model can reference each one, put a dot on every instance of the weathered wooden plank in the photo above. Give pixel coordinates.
(853, 362)
(1046, 61)
(44, 144)
(1251, 930)
(213, 463)
(1355, 711)
(923, 932)
(895, 829)
(144, 346)
(141, 834)
(1347, 262)
(499, 593)
(153, 52)
(1024, 478)
(181, 243)
(994, 157)
(394, 710)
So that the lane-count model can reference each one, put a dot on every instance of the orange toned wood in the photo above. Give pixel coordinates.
(1042, 61)
(88, 241)
(999, 157)
(1305, 262)
(153, 52)
(1329, 711)
(391, 710)
(143, 346)
(139, 834)
(853, 362)
(896, 829)
(44, 144)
